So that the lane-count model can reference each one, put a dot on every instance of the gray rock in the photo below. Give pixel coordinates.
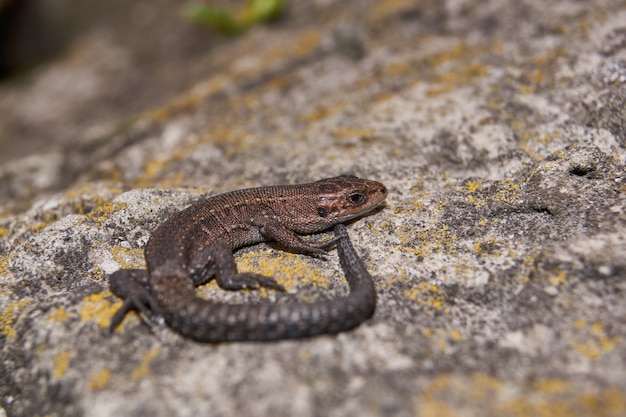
(498, 128)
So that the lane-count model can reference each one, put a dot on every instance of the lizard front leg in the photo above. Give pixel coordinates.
(272, 230)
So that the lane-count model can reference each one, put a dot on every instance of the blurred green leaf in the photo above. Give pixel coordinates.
(215, 17)
(227, 23)
(264, 10)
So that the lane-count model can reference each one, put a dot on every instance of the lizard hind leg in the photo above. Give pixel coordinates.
(132, 286)
(218, 260)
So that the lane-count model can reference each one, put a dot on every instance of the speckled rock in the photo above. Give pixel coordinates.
(499, 129)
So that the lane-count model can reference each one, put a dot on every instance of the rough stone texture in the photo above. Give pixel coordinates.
(499, 128)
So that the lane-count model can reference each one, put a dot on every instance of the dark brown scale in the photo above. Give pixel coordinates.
(195, 245)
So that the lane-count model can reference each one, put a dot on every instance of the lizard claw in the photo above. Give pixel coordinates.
(269, 282)
(143, 303)
(320, 249)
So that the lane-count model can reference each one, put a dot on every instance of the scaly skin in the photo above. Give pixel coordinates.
(195, 245)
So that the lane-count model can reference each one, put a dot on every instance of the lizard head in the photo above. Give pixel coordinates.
(346, 197)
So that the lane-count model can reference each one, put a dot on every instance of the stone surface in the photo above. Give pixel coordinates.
(499, 128)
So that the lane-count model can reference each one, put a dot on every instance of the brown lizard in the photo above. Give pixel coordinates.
(195, 245)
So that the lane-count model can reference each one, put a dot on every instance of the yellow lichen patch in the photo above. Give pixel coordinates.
(455, 335)
(143, 369)
(95, 308)
(178, 180)
(128, 258)
(100, 380)
(437, 239)
(306, 44)
(459, 52)
(486, 246)
(8, 316)
(464, 270)
(408, 235)
(439, 383)
(442, 339)
(398, 68)
(528, 407)
(608, 402)
(540, 67)
(61, 363)
(151, 171)
(41, 349)
(530, 138)
(4, 263)
(399, 276)
(491, 396)
(598, 342)
(485, 384)
(59, 315)
(84, 192)
(476, 201)
(438, 210)
(559, 278)
(409, 207)
(286, 268)
(433, 408)
(102, 211)
(476, 390)
(383, 97)
(300, 46)
(347, 132)
(418, 252)
(552, 386)
(529, 264)
(381, 10)
(233, 139)
(4, 232)
(472, 186)
(97, 274)
(318, 114)
(322, 112)
(94, 207)
(153, 168)
(39, 226)
(188, 100)
(464, 75)
(526, 89)
(508, 192)
(428, 295)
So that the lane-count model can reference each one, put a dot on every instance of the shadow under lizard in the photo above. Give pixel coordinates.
(196, 245)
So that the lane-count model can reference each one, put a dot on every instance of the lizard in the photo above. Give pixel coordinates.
(196, 245)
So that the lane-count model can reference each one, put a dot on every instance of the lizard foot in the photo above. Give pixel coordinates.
(128, 284)
(248, 280)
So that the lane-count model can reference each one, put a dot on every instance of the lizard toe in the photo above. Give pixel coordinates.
(250, 280)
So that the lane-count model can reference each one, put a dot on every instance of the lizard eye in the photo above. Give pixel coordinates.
(356, 198)
(322, 212)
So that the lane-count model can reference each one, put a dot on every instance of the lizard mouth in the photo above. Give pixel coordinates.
(361, 213)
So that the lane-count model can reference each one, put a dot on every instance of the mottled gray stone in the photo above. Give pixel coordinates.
(498, 127)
